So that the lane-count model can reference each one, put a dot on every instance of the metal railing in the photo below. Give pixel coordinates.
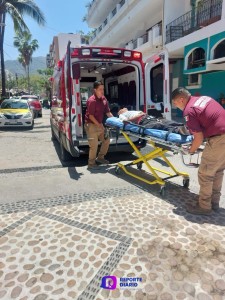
(134, 44)
(100, 28)
(114, 12)
(206, 13)
(122, 2)
(145, 38)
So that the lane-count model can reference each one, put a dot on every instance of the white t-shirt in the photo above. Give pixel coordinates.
(126, 116)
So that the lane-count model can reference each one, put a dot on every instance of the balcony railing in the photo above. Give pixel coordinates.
(113, 13)
(145, 38)
(207, 12)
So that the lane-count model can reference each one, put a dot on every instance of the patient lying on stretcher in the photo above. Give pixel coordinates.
(147, 121)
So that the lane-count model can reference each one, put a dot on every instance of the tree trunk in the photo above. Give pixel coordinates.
(28, 77)
(2, 31)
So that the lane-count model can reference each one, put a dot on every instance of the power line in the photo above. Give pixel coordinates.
(18, 65)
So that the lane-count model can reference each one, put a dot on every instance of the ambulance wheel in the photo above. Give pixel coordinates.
(139, 165)
(53, 135)
(64, 155)
(117, 170)
(162, 191)
(32, 126)
(186, 182)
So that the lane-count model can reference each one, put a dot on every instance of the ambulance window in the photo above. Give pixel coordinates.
(156, 82)
(113, 91)
(76, 71)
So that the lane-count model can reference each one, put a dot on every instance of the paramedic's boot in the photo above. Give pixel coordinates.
(102, 161)
(197, 210)
(93, 167)
(216, 207)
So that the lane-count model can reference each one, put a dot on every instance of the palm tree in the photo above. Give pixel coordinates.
(16, 9)
(26, 48)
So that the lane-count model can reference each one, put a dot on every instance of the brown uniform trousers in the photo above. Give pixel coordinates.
(210, 174)
(94, 135)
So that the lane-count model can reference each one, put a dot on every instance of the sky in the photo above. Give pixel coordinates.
(61, 17)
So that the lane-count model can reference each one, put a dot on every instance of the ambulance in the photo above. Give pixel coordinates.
(124, 76)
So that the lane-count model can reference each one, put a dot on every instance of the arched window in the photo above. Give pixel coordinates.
(196, 59)
(219, 51)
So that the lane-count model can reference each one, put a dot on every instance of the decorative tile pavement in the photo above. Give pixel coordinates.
(60, 248)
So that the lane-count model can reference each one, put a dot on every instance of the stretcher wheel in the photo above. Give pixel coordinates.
(117, 170)
(162, 191)
(186, 182)
(139, 166)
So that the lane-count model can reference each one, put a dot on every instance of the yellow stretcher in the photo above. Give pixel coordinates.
(160, 148)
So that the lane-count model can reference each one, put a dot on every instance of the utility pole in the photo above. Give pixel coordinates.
(17, 87)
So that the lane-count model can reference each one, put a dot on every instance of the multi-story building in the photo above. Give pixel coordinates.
(58, 46)
(191, 31)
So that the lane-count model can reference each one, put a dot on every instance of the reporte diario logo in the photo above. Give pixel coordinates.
(110, 282)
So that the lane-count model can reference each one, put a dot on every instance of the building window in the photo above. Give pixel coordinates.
(156, 80)
(194, 79)
(196, 59)
(219, 51)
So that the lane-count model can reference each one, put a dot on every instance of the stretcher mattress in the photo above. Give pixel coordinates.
(160, 134)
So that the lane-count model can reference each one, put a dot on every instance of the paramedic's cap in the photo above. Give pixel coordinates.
(97, 84)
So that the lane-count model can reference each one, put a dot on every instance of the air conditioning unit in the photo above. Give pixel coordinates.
(150, 38)
(130, 46)
(139, 41)
(157, 41)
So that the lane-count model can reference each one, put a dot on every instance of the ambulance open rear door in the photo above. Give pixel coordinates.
(157, 85)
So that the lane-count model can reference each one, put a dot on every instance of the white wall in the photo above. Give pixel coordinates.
(174, 9)
(63, 39)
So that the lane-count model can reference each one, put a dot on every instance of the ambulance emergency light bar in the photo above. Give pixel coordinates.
(105, 53)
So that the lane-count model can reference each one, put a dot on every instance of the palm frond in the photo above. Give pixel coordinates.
(18, 22)
(30, 8)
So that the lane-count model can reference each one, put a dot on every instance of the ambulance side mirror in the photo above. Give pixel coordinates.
(76, 71)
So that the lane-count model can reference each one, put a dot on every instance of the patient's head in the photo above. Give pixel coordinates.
(123, 110)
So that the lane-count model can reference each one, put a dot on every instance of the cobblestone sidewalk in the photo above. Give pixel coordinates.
(60, 248)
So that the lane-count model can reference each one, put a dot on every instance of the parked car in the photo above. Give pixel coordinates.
(16, 113)
(34, 103)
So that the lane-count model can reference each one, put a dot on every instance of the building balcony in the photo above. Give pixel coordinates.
(152, 38)
(208, 12)
(97, 9)
(114, 12)
(114, 30)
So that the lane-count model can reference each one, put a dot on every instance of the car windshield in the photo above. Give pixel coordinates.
(14, 105)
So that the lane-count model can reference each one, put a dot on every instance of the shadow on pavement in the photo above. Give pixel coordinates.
(12, 129)
(74, 174)
(82, 161)
(175, 194)
(36, 126)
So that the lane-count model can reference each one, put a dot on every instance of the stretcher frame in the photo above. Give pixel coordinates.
(160, 148)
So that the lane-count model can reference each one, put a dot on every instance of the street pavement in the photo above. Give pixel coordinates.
(63, 228)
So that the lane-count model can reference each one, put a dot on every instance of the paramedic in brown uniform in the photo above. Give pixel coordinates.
(205, 119)
(97, 107)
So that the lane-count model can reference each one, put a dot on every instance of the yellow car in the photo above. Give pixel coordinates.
(16, 113)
